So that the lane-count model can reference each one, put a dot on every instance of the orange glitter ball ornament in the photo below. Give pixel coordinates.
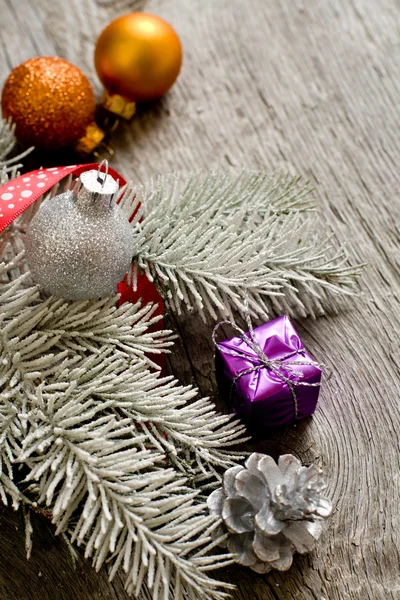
(50, 101)
(138, 57)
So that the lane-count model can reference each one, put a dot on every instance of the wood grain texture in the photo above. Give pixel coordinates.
(311, 87)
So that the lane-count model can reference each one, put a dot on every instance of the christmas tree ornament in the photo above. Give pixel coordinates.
(18, 196)
(271, 510)
(266, 374)
(78, 245)
(52, 105)
(137, 57)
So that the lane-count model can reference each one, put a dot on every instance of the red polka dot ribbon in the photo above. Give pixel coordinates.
(19, 193)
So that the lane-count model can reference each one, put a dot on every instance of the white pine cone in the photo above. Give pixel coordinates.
(271, 510)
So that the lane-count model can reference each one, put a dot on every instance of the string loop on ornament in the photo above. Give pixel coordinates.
(102, 181)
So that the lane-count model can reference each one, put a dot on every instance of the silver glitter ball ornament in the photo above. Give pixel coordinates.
(79, 244)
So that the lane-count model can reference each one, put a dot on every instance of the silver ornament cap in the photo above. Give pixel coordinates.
(79, 243)
(95, 186)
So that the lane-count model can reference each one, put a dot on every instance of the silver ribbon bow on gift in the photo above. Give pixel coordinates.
(278, 366)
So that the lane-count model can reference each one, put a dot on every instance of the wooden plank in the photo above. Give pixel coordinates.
(311, 87)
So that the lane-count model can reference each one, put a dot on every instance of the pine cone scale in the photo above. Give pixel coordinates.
(267, 523)
(252, 488)
(238, 515)
(271, 472)
(229, 481)
(300, 537)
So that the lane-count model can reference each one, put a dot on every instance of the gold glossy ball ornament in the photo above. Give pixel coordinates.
(138, 57)
(50, 101)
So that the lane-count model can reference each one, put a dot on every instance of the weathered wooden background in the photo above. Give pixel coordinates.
(312, 86)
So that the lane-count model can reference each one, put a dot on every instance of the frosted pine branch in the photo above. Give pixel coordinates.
(96, 341)
(88, 326)
(112, 450)
(7, 144)
(210, 240)
(192, 434)
(94, 469)
(257, 192)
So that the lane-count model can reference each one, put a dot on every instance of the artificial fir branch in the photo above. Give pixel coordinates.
(7, 144)
(114, 494)
(212, 239)
(36, 341)
(82, 327)
(109, 447)
(177, 426)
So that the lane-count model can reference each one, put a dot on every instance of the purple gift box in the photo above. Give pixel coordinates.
(274, 396)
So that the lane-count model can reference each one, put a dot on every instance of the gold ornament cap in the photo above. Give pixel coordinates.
(118, 105)
(89, 142)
